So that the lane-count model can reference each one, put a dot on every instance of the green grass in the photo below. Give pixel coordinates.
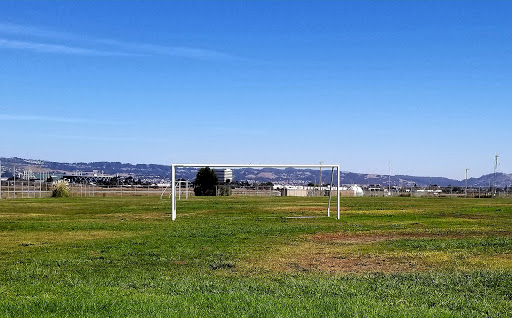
(251, 257)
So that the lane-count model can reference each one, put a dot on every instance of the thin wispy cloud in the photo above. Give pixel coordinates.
(69, 43)
(16, 29)
(104, 138)
(9, 117)
(187, 52)
(57, 48)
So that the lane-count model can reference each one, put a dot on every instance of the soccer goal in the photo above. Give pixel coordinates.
(189, 165)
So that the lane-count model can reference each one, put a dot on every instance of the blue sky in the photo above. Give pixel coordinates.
(427, 85)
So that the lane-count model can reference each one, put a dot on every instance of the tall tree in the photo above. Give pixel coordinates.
(205, 182)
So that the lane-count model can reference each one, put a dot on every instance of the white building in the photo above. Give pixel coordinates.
(358, 191)
(224, 175)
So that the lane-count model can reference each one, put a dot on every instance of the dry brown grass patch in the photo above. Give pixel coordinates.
(15, 216)
(136, 216)
(305, 208)
(355, 253)
(358, 238)
(312, 257)
(15, 240)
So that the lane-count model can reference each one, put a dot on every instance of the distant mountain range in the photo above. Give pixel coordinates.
(159, 173)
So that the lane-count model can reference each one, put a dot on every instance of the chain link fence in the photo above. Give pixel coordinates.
(35, 189)
(39, 189)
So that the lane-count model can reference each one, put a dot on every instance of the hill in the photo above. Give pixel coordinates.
(160, 173)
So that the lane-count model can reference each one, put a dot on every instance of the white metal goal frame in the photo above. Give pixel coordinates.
(199, 165)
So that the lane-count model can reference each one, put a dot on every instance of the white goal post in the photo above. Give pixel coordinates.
(194, 165)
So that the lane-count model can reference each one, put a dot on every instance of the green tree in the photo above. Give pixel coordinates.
(129, 180)
(113, 181)
(205, 182)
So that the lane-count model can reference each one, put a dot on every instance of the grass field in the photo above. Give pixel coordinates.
(255, 257)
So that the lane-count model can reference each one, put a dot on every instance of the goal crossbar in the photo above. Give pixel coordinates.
(198, 165)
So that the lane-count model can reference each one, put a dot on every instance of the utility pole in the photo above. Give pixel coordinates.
(495, 169)
(321, 178)
(389, 179)
(466, 190)
(14, 175)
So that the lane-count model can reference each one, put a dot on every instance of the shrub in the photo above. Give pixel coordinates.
(60, 189)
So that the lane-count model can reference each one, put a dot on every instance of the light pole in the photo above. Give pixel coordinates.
(389, 178)
(321, 178)
(466, 190)
(495, 168)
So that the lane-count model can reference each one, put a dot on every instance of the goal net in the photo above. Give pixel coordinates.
(334, 169)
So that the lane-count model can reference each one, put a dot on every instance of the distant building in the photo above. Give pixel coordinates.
(224, 175)
(358, 191)
(88, 177)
